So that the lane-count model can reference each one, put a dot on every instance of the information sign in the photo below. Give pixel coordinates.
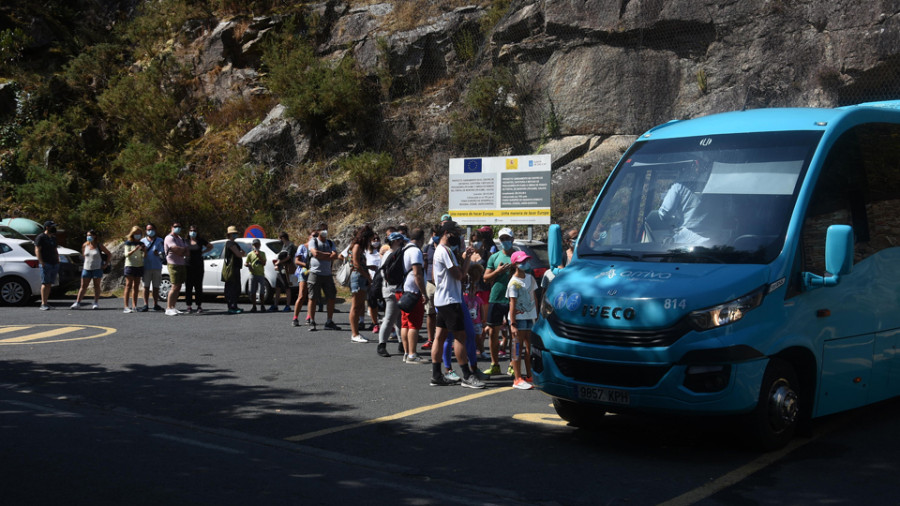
(509, 190)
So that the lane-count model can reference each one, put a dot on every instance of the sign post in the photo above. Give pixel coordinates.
(509, 190)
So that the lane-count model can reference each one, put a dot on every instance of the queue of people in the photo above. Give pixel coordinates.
(463, 293)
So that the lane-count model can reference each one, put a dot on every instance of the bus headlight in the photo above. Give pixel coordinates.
(546, 306)
(727, 313)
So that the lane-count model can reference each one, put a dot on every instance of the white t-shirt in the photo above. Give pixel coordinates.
(522, 289)
(412, 256)
(447, 290)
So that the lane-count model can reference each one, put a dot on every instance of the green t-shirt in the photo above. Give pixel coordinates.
(256, 261)
(498, 290)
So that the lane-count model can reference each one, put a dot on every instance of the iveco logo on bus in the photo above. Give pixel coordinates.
(607, 312)
(645, 275)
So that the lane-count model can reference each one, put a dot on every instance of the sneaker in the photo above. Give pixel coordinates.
(199, 309)
(190, 309)
(156, 307)
(382, 350)
(273, 308)
(521, 384)
(441, 382)
(143, 309)
(393, 338)
(75, 305)
(510, 371)
(376, 329)
(416, 359)
(127, 310)
(359, 339)
(502, 355)
(529, 379)
(47, 307)
(262, 309)
(287, 309)
(171, 312)
(311, 324)
(95, 306)
(253, 309)
(428, 345)
(295, 322)
(480, 375)
(493, 370)
(472, 382)
(452, 377)
(330, 325)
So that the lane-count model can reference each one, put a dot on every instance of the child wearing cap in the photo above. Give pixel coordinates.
(522, 314)
(256, 262)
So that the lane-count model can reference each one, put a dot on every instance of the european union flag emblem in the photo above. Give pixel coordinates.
(472, 165)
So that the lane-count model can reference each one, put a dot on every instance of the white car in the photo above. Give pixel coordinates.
(71, 262)
(20, 273)
(215, 259)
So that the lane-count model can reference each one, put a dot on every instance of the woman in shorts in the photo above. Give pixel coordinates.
(360, 279)
(94, 264)
(134, 268)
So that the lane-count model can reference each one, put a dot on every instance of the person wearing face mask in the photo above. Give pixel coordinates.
(93, 268)
(374, 298)
(498, 272)
(176, 256)
(134, 268)
(231, 271)
(45, 249)
(428, 255)
(322, 252)
(153, 262)
(448, 299)
(197, 247)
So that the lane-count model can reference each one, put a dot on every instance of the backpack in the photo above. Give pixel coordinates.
(394, 273)
(375, 297)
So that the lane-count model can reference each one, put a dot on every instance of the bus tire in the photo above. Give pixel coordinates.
(577, 414)
(777, 415)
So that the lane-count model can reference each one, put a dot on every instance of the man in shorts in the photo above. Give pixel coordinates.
(153, 262)
(322, 253)
(498, 271)
(176, 256)
(45, 248)
(448, 300)
(411, 322)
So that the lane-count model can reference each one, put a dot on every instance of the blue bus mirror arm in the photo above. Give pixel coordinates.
(554, 245)
(838, 258)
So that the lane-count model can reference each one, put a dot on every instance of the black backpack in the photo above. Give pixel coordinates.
(394, 274)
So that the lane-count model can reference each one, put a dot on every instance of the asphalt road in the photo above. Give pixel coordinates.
(101, 407)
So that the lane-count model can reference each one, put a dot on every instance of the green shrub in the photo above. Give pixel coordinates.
(369, 174)
(491, 120)
(329, 97)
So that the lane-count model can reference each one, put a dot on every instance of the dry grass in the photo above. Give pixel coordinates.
(409, 14)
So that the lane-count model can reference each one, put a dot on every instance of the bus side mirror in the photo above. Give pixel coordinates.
(554, 246)
(838, 258)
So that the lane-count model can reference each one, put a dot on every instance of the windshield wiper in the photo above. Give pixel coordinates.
(612, 254)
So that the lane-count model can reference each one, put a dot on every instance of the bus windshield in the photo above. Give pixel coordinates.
(712, 199)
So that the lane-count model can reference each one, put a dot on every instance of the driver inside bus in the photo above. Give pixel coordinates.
(677, 218)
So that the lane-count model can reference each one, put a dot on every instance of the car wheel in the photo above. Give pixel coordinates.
(577, 414)
(14, 292)
(164, 286)
(774, 421)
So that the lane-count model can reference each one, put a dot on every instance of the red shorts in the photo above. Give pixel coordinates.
(414, 319)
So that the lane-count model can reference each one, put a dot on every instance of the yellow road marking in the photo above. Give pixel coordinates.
(54, 331)
(13, 328)
(544, 418)
(397, 416)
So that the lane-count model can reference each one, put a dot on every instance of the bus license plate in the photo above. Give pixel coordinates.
(607, 395)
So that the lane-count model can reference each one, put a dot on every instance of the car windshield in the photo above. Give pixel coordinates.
(714, 199)
(11, 233)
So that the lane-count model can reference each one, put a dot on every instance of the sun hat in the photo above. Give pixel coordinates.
(397, 236)
(232, 230)
(519, 256)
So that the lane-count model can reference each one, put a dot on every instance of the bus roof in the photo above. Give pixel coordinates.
(768, 120)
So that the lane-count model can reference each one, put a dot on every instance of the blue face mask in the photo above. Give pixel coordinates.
(436, 239)
(477, 244)
(137, 237)
(177, 230)
(193, 234)
(507, 245)
(525, 266)
(90, 238)
(151, 233)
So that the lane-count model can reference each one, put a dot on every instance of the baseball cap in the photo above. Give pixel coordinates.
(397, 236)
(450, 226)
(49, 223)
(255, 242)
(446, 217)
(505, 231)
(486, 228)
(519, 256)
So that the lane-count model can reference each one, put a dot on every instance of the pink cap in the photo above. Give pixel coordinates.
(519, 256)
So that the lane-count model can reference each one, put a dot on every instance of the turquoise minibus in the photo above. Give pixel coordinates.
(743, 263)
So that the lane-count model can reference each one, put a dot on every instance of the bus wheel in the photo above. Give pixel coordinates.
(777, 413)
(579, 415)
